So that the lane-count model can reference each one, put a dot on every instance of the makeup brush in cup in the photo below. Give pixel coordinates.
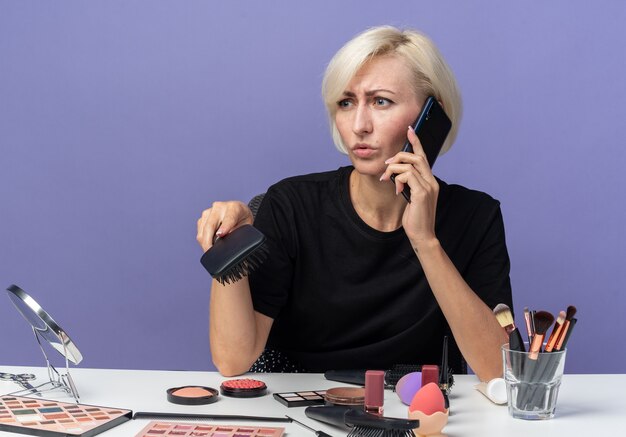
(556, 331)
(505, 319)
(546, 370)
(529, 325)
(235, 255)
(543, 321)
(569, 315)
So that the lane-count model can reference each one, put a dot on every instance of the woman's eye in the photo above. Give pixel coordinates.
(381, 101)
(344, 103)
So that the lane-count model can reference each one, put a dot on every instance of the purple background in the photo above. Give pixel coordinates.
(120, 121)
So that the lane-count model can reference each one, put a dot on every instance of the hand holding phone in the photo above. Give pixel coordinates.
(431, 127)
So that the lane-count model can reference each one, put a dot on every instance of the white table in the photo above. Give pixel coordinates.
(588, 405)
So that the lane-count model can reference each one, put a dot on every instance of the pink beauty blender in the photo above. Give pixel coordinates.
(408, 385)
(428, 400)
(428, 406)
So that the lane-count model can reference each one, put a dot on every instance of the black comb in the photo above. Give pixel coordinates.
(235, 255)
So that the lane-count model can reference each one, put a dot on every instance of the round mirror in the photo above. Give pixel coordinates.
(43, 324)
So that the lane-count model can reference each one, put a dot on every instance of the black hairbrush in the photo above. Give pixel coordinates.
(235, 255)
(392, 375)
(363, 424)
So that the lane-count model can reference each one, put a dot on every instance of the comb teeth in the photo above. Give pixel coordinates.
(367, 431)
(246, 266)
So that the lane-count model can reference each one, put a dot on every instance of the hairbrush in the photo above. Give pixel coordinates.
(235, 255)
(392, 375)
(363, 424)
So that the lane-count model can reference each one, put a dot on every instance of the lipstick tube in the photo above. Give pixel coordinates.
(374, 391)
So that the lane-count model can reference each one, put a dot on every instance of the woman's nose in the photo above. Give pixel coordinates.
(362, 123)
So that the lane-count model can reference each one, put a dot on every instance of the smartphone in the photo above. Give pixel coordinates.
(432, 127)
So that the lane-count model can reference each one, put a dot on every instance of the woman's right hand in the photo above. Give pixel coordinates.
(220, 219)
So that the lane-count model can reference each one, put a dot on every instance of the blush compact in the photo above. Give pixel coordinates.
(243, 388)
(192, 395)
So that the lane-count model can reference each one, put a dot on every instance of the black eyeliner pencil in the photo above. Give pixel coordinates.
(443, 373)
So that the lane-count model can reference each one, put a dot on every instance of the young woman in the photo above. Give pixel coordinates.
(357, 277)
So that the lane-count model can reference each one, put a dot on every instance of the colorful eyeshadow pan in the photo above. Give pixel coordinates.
(301, 398)
(208, 430)
(54, 419)
(243, 388)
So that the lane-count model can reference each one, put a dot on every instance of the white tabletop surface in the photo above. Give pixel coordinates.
(588, 405)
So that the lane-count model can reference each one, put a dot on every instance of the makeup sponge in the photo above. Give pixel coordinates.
(428, 400)
(428, 406)
(408, 385)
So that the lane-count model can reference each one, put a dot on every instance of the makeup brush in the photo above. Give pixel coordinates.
(569, 315)
(543, 321)
(572, 323)
(529, 327)
(192, 416)
(363, 424)
(505, 319)
(556, 331)
(318, 433)
(235, 255)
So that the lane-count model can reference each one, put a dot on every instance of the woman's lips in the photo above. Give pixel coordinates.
(363, 150)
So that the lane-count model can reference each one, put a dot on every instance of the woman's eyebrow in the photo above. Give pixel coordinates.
(368, 93)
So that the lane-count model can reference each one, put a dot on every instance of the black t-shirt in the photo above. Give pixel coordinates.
(345, 296)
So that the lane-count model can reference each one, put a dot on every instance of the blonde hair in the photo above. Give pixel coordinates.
(432, 75)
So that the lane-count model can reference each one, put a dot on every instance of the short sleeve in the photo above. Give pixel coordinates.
(489, 268)
(270, 283)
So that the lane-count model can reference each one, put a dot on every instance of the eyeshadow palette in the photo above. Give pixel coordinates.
(301, 398)
(47, 418)
(156, 429)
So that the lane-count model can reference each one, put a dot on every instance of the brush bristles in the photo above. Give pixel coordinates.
(543, 321)
(367, 431)
(504, 316)
(244, 267)
(571, 312)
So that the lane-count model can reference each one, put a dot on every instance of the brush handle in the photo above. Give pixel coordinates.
(515, 341)
(192, 416)
(333, 415)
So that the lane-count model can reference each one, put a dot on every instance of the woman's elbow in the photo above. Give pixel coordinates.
(231, 366)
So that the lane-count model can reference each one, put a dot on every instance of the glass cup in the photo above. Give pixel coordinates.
(532, 382)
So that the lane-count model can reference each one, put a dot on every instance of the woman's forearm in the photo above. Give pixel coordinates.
(475, 328)
(237, 333)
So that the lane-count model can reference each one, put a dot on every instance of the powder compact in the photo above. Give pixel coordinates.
(192, 395)
(243, 388)
(351, 396)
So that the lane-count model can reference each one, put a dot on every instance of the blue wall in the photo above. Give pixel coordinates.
(120, 121)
